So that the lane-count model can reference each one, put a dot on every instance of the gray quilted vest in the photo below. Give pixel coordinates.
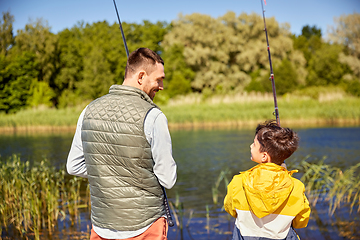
(125, 193)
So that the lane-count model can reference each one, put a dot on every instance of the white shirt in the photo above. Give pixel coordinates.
(157, 134)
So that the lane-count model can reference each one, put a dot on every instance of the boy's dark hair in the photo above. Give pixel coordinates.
(142, 58)
(280, 143)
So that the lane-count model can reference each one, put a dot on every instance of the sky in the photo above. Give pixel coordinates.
(62, 14)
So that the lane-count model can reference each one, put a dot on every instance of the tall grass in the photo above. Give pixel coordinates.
(34, 198)
(238, 109)
(215, 189)
(41, 117)
(332, 184)
(291, 109)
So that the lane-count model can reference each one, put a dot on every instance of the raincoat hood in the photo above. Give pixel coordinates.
(267, 186)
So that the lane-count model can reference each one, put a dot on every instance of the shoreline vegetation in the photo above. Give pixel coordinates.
(194, 111)
(40, 200)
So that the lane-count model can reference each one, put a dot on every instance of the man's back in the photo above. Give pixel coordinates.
(125, 193)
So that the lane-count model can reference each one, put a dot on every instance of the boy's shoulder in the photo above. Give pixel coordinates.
(236, 183)
(298, 184)
(237, 178)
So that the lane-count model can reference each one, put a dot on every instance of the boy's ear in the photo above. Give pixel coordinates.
(265, 158)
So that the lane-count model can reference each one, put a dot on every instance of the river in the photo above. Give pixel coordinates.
(201, 156)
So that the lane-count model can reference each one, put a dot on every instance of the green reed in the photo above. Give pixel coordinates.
(292, 110)
(332, 184)
(41, 117)
(215, 189)
(34, 198)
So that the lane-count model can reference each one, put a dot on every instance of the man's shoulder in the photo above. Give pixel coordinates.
(154, 113)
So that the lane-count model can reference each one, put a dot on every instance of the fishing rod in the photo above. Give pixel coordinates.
(166, 204)
(122, 31)
(276, 113)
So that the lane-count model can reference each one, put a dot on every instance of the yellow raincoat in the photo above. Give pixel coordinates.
(266, 201)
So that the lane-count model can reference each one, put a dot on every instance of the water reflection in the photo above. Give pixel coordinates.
(35, 147)
(340, 145)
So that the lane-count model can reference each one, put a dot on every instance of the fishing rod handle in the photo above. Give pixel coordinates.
(167, 209)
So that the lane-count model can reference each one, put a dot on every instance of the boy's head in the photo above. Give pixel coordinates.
(273, 143)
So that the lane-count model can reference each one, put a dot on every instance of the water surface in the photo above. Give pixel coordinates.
(201, 155)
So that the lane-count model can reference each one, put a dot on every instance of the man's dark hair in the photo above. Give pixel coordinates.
(280, 143)
(143, 58)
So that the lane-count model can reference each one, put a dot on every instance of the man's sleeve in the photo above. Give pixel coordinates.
(75, 164)
(158, 135)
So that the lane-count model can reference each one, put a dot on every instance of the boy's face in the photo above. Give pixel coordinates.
(256, 155)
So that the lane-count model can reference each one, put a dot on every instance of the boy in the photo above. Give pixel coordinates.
(265, 200)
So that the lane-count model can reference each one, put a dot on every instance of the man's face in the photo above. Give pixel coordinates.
(153, 82)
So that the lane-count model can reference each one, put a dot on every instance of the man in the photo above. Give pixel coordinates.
(123, 146)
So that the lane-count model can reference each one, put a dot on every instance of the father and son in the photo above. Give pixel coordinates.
(122, 145)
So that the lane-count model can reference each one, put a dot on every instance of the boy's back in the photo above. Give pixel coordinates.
(265, 200)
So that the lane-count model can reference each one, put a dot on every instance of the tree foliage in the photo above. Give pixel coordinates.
(224, 52)
(308, 42)
(347, 32)
(6, 32)
(324, 59)
(201, 53)
(17, 75)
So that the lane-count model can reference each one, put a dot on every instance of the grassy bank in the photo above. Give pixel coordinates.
(37, 201)
(194, 111)
(34, 198)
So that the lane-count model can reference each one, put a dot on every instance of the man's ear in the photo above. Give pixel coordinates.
(265, 158)
(140, 77)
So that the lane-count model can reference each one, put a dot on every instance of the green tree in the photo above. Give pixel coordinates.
(6, 32)
(40, 94)
(347, 33)
(325, 67)
(286, 77)
(285, 80)
(93, 57)
(309, 32)
(224, 52)
(16, 77)
(147, 34)
(70, 66)
(178, 73)
(308, 42)
(37, 39)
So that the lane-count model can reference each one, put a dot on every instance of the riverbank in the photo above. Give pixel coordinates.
(193, 112)
(54, 205)
(195, 126)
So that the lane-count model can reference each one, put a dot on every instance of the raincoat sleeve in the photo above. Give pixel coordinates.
(229, 198)
(302, 218)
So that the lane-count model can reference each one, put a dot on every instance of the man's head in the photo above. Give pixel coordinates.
(145, 70)
(273, 143)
